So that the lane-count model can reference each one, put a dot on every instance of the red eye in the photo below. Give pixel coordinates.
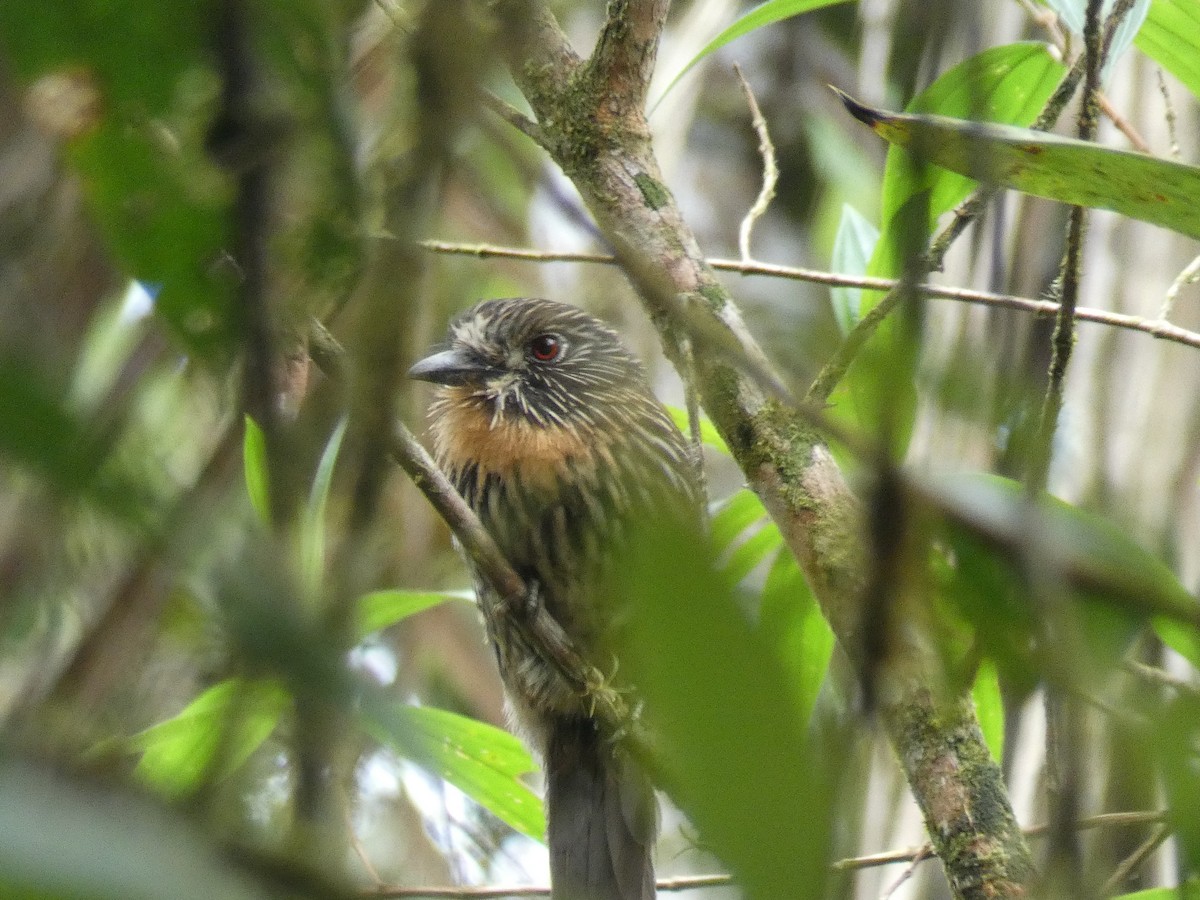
(545, 348)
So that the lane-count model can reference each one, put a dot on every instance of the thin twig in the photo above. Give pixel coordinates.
(1131, 863)
(1154, 327)
(766, 150)
(1161, 677)
(1172, 135)
(693, 882)
(1189, 275)
(513, 117)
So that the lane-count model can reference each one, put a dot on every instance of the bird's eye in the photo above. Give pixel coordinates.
(546, 347)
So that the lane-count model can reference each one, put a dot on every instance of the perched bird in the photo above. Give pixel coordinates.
(548, 427)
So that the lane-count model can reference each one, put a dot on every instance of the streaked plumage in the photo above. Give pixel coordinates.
(547, 426)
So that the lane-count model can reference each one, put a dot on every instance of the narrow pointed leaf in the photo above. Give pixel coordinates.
(383, 609)
(765, 14)
(482, 761)
(254, 463)
(1158, 191)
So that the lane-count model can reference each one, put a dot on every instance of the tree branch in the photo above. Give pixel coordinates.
(1157, 327)
(602, 143)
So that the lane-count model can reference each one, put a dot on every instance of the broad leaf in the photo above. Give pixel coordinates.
(383, 609)
(792, 623)
(1010, 84)
(1159, 191)
(232, 718)
(1171, 37)
(734, 515)
(852, 249)
(482, 761)
(709, 436)
(722, 707)
(1116, 587)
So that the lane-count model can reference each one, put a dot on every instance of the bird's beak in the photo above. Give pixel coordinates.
(450, 367)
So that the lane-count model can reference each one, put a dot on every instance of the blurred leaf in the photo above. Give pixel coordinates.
(729, 738)
(1171, 37)
(233, 718)
(140, 72)
(1119, 587)
(752, 551)
(383, 609)
(1074, 14)
(1183, 639)
(1177, 739)
(791, 621)
(852, 249)
(709, 436)
(733, 516)
(989, 707)
(1160, 191)
(1188, 891)
(61, 838)
(39, 433)
(765, 14)
(480, 760)
(312, 525)
(254, 463)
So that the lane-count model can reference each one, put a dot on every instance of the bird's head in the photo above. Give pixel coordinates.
(537, 363)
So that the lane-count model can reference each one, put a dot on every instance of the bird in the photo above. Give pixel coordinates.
(548, 427)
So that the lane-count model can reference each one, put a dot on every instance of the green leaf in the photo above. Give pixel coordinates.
(1171, 37)
(730, 747)
(383, 609)
(1183, 639)
(1117, 586)
(792, 622)
(733, 516)
(233, 717)
(989, 707)
(852, 248)
(254, 463)
(709, 436)
(312, 526)
(752, 551)
(480, 760)
(766, 14)
(1159, 191)
(41, 434)
(1010, 83)
(1176, 739)
(1188, 891)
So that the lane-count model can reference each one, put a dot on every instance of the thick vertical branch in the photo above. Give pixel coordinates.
(601, 141)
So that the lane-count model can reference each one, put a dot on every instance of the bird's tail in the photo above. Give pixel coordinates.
(601, 817)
